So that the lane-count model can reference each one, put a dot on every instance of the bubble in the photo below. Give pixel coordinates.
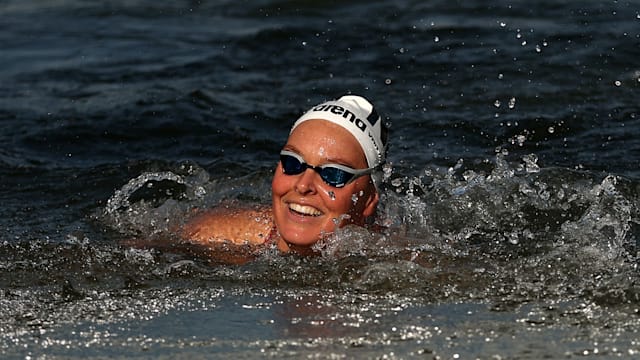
(618, 83)
(387, 81)
(436, 39)
(500, 76)
(512, 103)
(551, 129)
(497, 103)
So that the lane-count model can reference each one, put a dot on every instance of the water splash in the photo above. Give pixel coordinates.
(515, 204)
(120, 199)
(154, 202)
(505, 231)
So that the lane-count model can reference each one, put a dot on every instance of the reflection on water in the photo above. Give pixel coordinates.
(252, 323)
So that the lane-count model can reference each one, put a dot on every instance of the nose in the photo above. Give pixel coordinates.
(306, 182)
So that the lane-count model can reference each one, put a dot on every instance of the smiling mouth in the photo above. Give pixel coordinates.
(304, 210)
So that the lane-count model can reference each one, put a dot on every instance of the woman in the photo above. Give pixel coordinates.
(324, 180)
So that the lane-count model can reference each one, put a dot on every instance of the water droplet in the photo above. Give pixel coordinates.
(200, 192)
(386, 171)
(544, 195)
(531, 163)
(560, 195)
(332, 195)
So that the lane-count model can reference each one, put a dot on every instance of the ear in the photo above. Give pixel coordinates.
(371, 203)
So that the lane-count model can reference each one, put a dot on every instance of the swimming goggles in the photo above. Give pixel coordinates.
(333, 174)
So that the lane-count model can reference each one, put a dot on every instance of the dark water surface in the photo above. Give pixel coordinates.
(512, 191)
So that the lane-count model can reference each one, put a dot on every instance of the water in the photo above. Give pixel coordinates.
(511, 195)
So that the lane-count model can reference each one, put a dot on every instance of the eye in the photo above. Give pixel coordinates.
(292, 163)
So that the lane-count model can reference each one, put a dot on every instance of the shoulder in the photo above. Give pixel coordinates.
(230, 223)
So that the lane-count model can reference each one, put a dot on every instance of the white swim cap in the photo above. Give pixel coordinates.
(358, 116)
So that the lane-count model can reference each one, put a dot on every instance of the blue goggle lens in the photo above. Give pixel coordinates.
(333, 174)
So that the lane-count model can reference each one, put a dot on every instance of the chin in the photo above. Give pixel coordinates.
(300, 239)
(301, 233)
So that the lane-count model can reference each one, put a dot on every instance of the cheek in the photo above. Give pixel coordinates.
(355, 200)
(340, 202)
(280, 183)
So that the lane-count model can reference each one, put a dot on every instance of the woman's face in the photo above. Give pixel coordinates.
(306, 208)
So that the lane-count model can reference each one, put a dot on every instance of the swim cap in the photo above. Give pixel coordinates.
(358, 116)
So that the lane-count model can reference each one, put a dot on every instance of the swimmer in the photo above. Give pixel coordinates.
(326, 178)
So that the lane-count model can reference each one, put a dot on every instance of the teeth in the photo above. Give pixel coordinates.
(305, 210)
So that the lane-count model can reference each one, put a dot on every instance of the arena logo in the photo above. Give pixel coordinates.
(339, 110)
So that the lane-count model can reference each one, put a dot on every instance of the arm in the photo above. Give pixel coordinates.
(224, 223)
